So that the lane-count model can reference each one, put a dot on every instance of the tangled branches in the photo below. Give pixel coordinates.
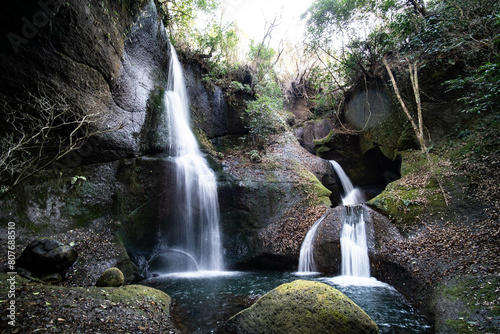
(39, 130)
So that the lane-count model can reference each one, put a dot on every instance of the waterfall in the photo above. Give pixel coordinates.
(353, 246)
(351, 195)
(196, 231)
(306, 258)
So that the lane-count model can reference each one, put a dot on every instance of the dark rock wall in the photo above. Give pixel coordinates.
(109, 57)
(101, 56)
(210, 109)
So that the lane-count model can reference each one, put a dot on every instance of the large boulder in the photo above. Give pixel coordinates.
(303, 307)
(379, 231)
(45, 256)
(268, 205)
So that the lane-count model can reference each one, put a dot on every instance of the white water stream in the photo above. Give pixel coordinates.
(351, 195)
(353, 245)
(355, 261)
(196, 203)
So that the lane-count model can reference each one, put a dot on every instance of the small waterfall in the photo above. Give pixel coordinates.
(306, 259)
(353, 245)
(351, 195)
(196, 204)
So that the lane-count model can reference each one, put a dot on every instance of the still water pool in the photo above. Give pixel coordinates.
(203, 301)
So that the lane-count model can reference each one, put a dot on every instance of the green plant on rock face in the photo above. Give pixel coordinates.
(254, 155)
(265, 115)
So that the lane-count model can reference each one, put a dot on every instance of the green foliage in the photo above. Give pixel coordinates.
(265, 115)
(480, 89)
(77, 178)
(262, 58)
(219, 41)
(464, 32)
(179, 17)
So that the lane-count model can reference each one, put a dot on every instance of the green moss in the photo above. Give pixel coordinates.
(304, 307)
(129, 295)
(472, 297)
(317, 194)
(324, 140)
(416, 195)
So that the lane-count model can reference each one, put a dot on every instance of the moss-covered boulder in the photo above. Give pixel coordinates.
(303, 307)
(112, 277)
(68, 309)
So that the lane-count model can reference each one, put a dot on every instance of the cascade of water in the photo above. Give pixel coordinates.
(351, 195)
(196, 202)
(306, 258)
(353, 246)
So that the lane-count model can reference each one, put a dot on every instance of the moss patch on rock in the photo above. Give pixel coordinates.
(56, 308)
(303, 307)
(316, 192)
(468, 304)
(416, 195)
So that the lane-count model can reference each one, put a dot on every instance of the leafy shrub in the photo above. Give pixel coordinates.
(265, 115)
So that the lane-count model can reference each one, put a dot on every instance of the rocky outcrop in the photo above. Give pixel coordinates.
(100, 57)
(105, 57)
(303, 307)
(267, 206)
(212, 112)
(379, 230)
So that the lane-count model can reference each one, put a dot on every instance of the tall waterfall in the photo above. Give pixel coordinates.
(196, 232)
(353, 245)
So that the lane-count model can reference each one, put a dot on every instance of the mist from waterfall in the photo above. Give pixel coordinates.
(196, 229)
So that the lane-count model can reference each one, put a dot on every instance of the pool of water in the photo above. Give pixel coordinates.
(203, 301)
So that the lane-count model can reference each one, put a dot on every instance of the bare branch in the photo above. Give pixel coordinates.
(39, 130)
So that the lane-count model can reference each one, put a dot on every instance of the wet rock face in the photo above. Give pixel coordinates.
(303, 307)
(46, 256)
(267, 207)
(210, 109)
